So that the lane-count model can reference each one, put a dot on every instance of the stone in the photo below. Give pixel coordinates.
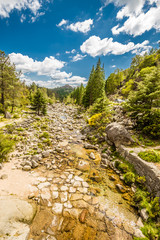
(34, 164)
(144, 214)
(26, 168)
(73, 213)
(72, 190)
(83, 165)
(64, 197)
(57, 208)
(76, 196)
(68, 204)
(92, 156)
(77, 184)
(78, 179)
(45, 154)
(94, 175)
(120, 188)
(55, 195)
(85, 184)
(80, 204)
(117, 134)
(44, 185)
(4, 176)
(83, 215)
(64, 188)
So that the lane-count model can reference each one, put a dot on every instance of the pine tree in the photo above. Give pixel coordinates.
(144, 104)
(39, 103)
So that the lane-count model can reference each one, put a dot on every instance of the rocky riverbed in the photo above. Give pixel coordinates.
(53, 187)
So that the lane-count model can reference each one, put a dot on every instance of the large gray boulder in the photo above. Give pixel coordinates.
(118, 135)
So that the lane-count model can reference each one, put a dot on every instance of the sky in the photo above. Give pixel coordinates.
(56, 42)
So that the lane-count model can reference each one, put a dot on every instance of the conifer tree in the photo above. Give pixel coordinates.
(39, 103)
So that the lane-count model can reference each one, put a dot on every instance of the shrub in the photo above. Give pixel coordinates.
(151, 231)
(150, 156)
(129, 178)
(140, 180)
(6, 145)
(123, 167)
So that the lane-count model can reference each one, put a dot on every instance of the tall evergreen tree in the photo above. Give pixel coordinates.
(39, 103)
(88, 95)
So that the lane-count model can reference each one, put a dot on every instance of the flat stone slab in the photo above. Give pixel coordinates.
(14, 216)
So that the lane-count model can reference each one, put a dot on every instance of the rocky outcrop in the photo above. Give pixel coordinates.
(117, 134)
(143, 168)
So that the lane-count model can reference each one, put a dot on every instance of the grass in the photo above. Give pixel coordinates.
(150, 156)
(6, 145)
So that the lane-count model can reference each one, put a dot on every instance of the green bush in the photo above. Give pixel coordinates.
(129, 178)
(123, 167)
(6, 145)
(140, 180)
(151, 231)
(150, 156)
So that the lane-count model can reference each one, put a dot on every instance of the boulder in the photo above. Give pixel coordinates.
(118, 135)
(83, 165)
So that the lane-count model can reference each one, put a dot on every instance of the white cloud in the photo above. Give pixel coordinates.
(73, 51)
(78, 57)
(139, 19)
(83, 27)
(49, 67)
(94, 46)
(26, 64)
(7, 6)
(62, 22)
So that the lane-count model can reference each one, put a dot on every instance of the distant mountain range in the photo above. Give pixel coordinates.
(61, 92)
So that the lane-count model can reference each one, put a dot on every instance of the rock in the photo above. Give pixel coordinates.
(4, 176)
(34, 164)
(117, 134)
(83, 165)
(90, 146)
(14, 214)
(45, 154)
(26, 168)
(138, 233)
(94, 175)
(144, 214)
(120, 188)
(104, 155)
(57, 208)
(55, 195)
(43, 185)
(83, 215)
(92, 156)
(7, 115)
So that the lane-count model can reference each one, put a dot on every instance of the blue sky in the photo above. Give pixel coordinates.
(56, 42)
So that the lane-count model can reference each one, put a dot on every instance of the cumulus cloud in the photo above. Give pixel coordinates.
(62, 22)
(72, 51)
(94, 46)
(139, 20)
(83, 27)
(7, 6)
(49, 67)
(78, 57)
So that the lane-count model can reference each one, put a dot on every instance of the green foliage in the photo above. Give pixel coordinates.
(127, 88)
(123, 167)
(144, 104)
(6, 145)
(39, 102)
(148, 61)
(44, 135)
(140, 180)
(60, 93)
(101, 105)
(114, 81)
(150, 155)
(95, 86)
(78, 94)
(151, 231)
(129, 178)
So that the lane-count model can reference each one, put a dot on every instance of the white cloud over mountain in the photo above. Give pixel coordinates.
(94, 46)
(142, 16)
(83, 27)
(49, 67)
